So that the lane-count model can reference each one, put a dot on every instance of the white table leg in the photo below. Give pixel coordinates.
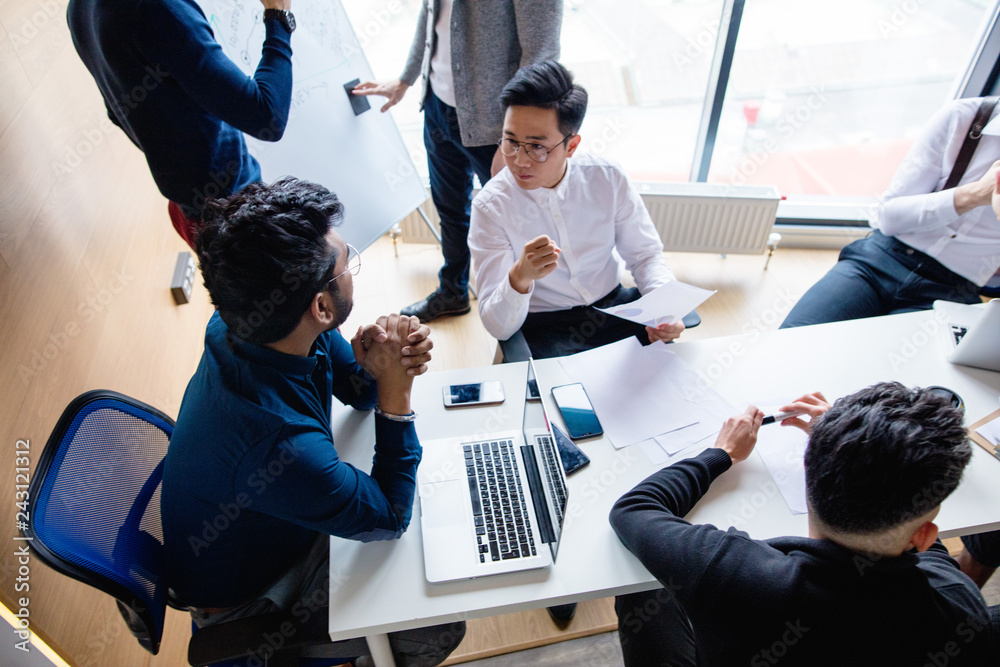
(380, 650)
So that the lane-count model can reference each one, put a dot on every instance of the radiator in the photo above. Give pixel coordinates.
(415, 229)
(690, 217)
(711, 217)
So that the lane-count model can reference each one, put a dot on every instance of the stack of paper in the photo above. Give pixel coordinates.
(648, 395)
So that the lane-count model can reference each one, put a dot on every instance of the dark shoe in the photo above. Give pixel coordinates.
(563, 613)
(437, 305)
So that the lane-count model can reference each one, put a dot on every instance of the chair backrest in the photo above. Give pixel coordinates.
(95, 504)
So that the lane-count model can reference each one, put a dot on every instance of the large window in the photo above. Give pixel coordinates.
(826, 98)
(823, 98)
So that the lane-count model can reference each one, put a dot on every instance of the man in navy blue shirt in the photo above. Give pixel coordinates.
(168, 85)
(253, 486)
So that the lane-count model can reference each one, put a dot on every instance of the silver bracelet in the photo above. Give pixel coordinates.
(396, 418)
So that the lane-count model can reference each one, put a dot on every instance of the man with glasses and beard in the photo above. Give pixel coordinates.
(253, 487)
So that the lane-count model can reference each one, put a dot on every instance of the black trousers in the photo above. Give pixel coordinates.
(654, 631)
(561, 332)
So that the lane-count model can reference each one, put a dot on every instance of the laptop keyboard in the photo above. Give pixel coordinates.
(556, 485)
(503, 529)
(958, 332)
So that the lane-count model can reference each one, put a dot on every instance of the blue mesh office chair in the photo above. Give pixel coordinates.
(95, 517)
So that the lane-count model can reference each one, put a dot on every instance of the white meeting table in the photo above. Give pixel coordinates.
(380, 587)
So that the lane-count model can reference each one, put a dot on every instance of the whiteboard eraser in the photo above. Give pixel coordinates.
(358, 102)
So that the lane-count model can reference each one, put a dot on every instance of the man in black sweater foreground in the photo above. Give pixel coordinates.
(871, 585)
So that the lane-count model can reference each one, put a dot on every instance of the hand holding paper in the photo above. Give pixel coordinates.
(665, 332)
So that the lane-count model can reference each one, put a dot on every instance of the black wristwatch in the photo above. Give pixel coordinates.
(286, 17)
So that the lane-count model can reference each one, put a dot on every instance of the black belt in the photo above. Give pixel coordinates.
(921, 263)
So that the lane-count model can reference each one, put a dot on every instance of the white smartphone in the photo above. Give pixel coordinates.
(478, 393)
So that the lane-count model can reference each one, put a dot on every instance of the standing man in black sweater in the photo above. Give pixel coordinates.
(871, 585)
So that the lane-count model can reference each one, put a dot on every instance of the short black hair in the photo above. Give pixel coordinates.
(883, 456)
(264, 255)
(548, 85)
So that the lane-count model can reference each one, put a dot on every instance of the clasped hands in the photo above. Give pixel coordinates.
(394, 346)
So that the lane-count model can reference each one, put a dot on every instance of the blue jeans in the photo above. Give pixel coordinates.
(879, 275)
(984, 547)
(451, 168)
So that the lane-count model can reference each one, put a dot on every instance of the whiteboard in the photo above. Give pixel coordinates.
(360, 158)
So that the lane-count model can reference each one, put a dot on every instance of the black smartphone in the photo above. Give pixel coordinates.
(577, 411)
(572, 456)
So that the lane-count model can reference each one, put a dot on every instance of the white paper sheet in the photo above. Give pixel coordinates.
(667, 303)
(682, 438)
(783, 450)
(658, 457)
(671, 396)
(653, 452)
(991, 431)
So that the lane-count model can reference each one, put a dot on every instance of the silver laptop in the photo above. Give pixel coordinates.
(492, 505)
(972, 336)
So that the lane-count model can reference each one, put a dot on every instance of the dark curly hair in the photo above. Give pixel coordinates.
(884, 456)
(264, 255)
(548, 85)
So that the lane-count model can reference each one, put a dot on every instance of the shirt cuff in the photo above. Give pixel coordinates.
(511, 295)
(275, 28)
(506, 308)
(395, 436)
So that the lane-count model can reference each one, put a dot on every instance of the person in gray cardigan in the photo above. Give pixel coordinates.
(466, 52)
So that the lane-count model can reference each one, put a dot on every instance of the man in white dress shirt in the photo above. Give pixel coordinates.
(544, 231)
(930, 242)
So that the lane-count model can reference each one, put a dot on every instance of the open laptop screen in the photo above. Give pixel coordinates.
(544, 470)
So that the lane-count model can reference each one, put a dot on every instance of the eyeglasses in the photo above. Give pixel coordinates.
(353, 264)
(537, 152)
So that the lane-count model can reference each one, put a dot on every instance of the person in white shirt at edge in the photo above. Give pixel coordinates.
(929, 243)
(981, 555)
(544, 230)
